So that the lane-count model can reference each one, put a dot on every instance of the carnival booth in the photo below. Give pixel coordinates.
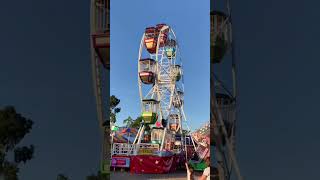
(122, 148)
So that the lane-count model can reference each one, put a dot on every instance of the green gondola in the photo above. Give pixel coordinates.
(170, 48)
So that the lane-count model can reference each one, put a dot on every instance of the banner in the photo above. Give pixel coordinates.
(154, 164)
(120, 162)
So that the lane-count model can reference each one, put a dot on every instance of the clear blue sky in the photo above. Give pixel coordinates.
(190, 21)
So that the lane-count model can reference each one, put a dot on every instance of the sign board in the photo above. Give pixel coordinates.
(120, 162)
(146, 151)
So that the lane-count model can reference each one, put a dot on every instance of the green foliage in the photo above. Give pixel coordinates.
(114, 102)
(13, 128)
(136, 123)
(128, 121)
(23, 154)
(62, 177)
(99, 176)
(10, 171)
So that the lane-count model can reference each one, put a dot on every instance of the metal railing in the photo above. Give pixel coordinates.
(122, 149)
(131, 149)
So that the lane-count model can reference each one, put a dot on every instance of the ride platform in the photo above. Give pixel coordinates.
(141, 164)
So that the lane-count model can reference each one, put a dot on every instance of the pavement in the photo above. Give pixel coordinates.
(124, 175)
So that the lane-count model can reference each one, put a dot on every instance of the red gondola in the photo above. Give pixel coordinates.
(150, 39)
(147, 77)
(164, 35)
(146, 73)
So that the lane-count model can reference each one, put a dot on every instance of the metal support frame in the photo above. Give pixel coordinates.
(99, 22)
(164, 90)
(225, 164)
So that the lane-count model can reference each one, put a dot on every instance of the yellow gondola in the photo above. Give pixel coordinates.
(149, 115)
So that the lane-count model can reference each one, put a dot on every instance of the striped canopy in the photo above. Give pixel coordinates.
(123, 135)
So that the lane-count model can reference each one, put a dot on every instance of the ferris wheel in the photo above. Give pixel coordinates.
(223, 93)
(100, 63)
(161, 88)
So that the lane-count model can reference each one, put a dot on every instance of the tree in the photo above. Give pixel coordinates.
(62, 177)
(136, 123)
(99, 176)
(10, 171)
(13, 128)
(23, 154)
(128, 121)
(114, 102)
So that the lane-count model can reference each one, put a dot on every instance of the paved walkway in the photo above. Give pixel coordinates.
(179, 175)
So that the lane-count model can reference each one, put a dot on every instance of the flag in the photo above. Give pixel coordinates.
(126, 130)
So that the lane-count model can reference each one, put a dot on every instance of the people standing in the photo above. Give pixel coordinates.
(189, 172)
(206, 172)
